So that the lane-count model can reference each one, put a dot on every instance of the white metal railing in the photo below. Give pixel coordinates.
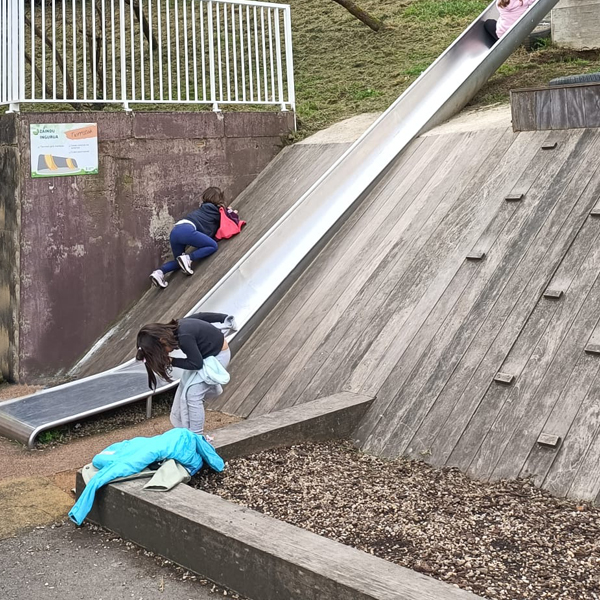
(146, 51)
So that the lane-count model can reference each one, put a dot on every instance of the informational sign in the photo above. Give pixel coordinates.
(64, 149)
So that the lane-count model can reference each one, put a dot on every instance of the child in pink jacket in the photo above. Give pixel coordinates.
(510, 12)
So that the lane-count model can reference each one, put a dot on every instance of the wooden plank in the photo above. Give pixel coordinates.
(523, 109)
(483, 354)
(402, 294)
(401, 358)
(410, 401)
(568, 352)
(324, 308)
(255, 554)
(481, 447)
(404, 406)
(593, 344)
(558, 108)
(575, 389)
(544, 109)
(575, 110)
(591, 101)
(340, 344)
(383, 355)
(304, 312)
(575, 471)
(385, 360)
(497, 395)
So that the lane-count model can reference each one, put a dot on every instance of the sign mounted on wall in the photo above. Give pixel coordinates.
(64, 149)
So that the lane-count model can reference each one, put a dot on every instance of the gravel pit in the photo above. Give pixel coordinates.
(505, 540)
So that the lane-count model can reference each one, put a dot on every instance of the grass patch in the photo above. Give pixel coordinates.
(431, 10)
(337, 59)
(342, 68)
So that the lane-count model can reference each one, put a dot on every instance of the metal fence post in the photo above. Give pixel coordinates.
(122, 45)
(211, 57)
(14, 16)
(289, 59)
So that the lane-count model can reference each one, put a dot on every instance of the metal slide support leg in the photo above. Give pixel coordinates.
(149, 407)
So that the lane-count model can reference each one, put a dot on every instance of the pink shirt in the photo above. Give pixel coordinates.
(510, 15)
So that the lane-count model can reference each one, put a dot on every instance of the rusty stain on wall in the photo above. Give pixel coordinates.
(89, 243)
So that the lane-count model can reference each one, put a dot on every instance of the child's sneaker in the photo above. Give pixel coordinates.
(158, 279)
(185, 264)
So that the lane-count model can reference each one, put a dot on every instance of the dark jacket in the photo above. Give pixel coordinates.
(198, 339)
(207, 219)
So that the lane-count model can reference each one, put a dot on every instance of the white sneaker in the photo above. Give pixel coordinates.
(185, 264)
(158, 279)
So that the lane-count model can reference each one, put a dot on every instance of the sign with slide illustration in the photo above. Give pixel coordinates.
(64, 149)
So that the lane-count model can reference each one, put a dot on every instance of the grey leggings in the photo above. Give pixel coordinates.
(197, 394)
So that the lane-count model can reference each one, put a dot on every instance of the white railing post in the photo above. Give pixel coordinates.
(21, 50)
(211, 57)
(278, 55)
(14, 55)
(122, 46)
(289, 60)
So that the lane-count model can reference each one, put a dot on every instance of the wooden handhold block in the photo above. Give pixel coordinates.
(476, 255)
(504, 378)
(548, 439)
(593, 348)
(595, 212)
(553, 293)
(549, 145)
(514, 197)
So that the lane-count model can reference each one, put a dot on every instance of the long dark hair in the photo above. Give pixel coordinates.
(213, 195)
(154, 342)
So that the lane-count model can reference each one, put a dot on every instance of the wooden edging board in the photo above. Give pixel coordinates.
(255, 555)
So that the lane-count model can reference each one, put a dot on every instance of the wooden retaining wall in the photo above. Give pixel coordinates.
(564, 107)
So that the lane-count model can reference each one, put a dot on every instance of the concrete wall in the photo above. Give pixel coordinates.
(10, 215)
(576, 24)
(88, 243)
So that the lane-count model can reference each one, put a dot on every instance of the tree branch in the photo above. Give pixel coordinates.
(362, 15)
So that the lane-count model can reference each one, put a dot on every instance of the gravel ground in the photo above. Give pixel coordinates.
(501, 540)
(64, 562)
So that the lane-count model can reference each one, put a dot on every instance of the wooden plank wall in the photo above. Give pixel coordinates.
(561, 107)
(463, 294)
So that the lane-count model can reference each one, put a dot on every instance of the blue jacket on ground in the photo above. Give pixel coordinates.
(131, 456)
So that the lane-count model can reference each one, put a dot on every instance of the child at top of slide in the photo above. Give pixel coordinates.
(510, 12)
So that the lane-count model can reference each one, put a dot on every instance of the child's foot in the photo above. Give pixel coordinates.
(158, 279)
(185, 264)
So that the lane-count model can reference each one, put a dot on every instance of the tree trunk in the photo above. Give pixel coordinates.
(362, 15)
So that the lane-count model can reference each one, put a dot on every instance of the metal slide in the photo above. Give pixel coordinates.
(261, 276)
